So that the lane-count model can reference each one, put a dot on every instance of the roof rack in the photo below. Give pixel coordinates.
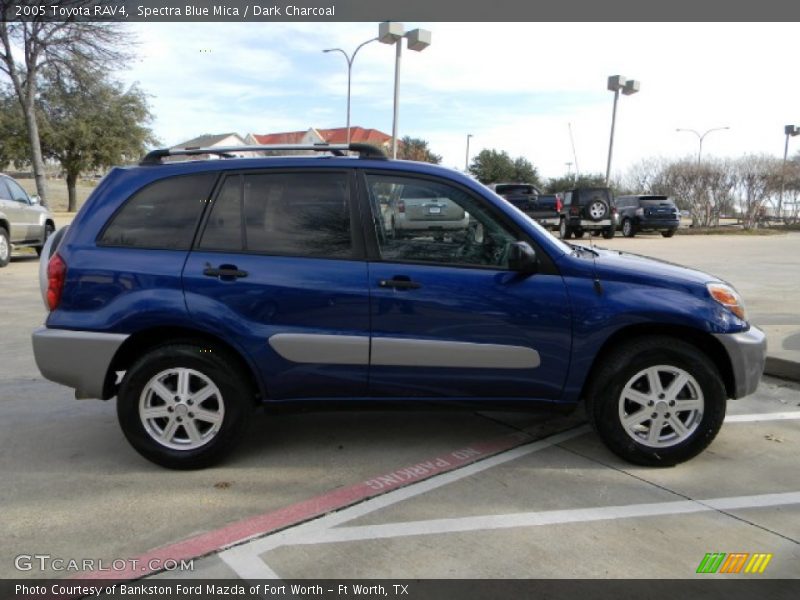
(364, 151)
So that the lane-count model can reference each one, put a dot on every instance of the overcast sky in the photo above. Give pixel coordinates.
(514, 86)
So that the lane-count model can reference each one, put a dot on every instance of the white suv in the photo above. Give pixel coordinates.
(23, 219)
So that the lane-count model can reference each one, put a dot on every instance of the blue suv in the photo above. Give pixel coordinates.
(195, 291)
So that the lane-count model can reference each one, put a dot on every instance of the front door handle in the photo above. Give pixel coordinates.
(399, 283)
(224, 272)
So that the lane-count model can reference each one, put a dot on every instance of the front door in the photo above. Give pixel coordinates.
(449, 318)
(278, 270)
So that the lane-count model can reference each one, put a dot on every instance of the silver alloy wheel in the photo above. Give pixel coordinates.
(181, 409)
(562, 229)
(597, 210)
(627, 227)
(661, 406)
(4, 249)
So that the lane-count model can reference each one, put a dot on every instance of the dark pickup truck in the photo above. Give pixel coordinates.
(542, 208)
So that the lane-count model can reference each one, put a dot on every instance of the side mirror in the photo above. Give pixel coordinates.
(522, 258)
(36, 200)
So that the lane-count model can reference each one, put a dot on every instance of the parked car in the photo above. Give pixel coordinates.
(416, 209)
(647, 213)
(521, 195)
(547, 211)
(23, 220)
(195, 291)
(587, 209)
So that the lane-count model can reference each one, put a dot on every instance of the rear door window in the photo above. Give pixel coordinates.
(163, 215)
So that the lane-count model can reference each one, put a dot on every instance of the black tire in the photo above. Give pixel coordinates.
(608, 233)
(49, 229)
(668, 233)
(5, 248)
(564, 230)
(236, 397)
(628, 230)
(624, 365)
(579, 233)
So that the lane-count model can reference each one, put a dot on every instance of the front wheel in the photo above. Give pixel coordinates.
(627, 228)
(5, 248)
(668, 233)
(564, 231)
(657, 401)
(184, 406)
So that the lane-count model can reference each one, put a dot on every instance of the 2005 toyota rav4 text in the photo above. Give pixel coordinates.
(195, 291)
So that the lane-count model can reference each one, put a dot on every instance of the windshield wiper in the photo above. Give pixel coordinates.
(581, 249)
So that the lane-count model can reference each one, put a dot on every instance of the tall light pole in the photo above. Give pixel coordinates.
(617, 84)
(466, 161)
(790, 131)
(390, 32)
(349, 59)
(701, 138)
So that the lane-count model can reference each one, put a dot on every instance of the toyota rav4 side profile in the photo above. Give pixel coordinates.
(195, 291)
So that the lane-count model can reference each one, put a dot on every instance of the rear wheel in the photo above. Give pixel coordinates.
(5, 248)
(668, 233)
(627, 228)
(579, 233)
(184, 406)
(564, 230)
(657, 402)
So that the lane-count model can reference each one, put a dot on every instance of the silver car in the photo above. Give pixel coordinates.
(23, 220)
(417, 210)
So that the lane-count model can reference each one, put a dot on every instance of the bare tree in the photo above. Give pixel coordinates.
(28, 47)
(757, 179)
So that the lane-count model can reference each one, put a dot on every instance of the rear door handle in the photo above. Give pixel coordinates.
(224, 272)
(399, 284)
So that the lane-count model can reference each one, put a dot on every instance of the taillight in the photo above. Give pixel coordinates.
(559, 205)
(574, 210)
(56, 274)
(401, 206)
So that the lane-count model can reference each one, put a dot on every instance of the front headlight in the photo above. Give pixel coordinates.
(728, 297)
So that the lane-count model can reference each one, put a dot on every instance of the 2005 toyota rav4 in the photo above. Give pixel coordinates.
(194, 291)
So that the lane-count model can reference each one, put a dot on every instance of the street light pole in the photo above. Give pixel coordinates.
(466, 161)
(390, 32)
(789, 130)
(349, 60)
(700, 138)
(617, 84)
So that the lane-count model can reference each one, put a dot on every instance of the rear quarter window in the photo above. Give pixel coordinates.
(162, 215)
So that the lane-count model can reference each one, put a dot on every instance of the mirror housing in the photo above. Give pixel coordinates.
(522, 258)
(36, 200)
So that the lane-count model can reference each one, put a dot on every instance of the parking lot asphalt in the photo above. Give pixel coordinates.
(511, 500)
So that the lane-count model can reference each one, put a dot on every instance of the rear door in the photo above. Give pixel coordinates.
(278, 267)
(449, 318)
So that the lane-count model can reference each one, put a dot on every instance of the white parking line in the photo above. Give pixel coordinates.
(550, 517)
(246, 562)
(777, 416)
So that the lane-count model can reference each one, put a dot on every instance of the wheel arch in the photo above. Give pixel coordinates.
(146, 340)
(701, 340)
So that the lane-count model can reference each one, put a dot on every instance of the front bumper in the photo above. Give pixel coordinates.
(77, 359)
(747, 351)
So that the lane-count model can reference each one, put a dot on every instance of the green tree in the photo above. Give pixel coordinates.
(490, 166)
(13, 137)
(525, 172)
(416, 149)
(567, 182)
(91, 122)
(28, 48)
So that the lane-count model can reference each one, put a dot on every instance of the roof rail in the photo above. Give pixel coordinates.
(364, 151)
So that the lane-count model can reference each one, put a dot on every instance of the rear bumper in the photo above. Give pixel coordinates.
(589, 224)
(77, 359)
(657, 223)
(747, 351)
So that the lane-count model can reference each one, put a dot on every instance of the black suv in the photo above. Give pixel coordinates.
(587, 209)
(647, 213)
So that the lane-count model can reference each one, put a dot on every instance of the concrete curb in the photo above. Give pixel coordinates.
(780, 367)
